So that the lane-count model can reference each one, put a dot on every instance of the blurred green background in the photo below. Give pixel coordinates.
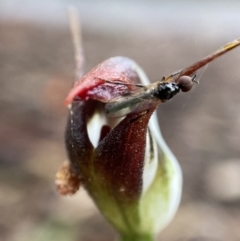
(201, 127)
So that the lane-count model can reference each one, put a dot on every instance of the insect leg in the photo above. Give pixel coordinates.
(194, 79)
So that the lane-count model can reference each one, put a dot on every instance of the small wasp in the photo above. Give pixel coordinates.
(138, 97)
(148, 96)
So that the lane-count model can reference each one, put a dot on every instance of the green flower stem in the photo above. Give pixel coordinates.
(136, 237)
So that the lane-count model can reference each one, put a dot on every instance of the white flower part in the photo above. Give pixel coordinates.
(158, 154)
(175, 185)
(94, 127)
(150, 163)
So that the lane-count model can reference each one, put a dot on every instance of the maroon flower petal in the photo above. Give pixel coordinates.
(93, 84)
(119, 157)
(79, 148)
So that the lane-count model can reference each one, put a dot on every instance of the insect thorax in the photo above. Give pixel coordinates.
(165, 91)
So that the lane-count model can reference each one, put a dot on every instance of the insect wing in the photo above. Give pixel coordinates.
(190, 70)
(141, 106)
(137, 101)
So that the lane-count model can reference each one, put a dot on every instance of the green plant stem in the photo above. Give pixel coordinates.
(136, 237)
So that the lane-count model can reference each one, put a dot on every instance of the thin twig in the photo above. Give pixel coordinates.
(75, 28)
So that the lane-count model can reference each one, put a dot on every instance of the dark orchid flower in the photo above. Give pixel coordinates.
(123, 163)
